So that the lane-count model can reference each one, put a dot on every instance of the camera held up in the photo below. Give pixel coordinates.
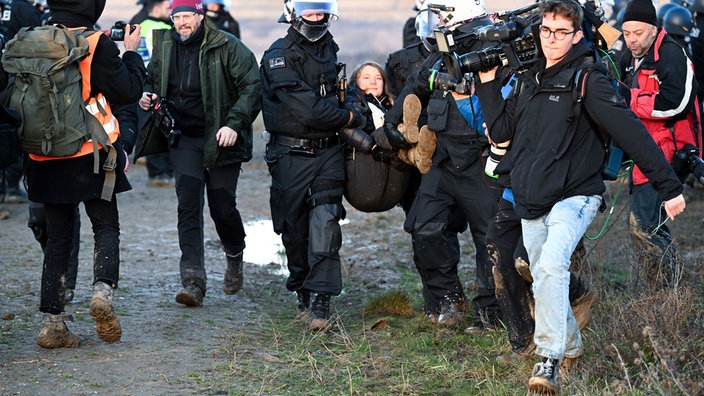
(686, 161)
(118, 30)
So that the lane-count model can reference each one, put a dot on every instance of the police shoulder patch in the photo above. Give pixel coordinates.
(277, 63)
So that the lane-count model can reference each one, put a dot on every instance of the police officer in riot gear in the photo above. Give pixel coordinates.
(456, 179)
(696, 7)
(305, 156)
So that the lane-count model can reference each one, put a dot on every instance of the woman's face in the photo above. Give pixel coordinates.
(369, 81)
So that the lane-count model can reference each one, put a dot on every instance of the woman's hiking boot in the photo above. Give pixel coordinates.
(319, 311)
(303, 306)
(233, 274)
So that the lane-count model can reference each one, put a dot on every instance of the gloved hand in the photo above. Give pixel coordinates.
(590, 13)
(380, 139)
(358, 120)
(381, 155)
(358, 139)
(395, 137)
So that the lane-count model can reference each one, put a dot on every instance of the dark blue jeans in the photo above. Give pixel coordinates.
(60, 223)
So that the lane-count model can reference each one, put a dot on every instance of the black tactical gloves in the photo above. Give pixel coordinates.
(395, 137)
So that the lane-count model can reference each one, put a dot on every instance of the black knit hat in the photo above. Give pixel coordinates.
(641, 11)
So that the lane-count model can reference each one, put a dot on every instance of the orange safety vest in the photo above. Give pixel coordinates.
(96, 105)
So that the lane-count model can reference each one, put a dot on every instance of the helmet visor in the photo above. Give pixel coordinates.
(305, 8)
(426, 22)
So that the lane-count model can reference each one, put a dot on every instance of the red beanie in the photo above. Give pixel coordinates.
(186, 5)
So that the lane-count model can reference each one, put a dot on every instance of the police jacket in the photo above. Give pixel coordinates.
(549, 164)
(663, 94)
(299, 96)
(229, 84)
(458, 142)
(402, 63)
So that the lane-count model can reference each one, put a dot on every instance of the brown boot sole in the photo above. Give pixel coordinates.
(318, 324)
(188, 300)
(541, 386)
(411, 113)
(106, 323)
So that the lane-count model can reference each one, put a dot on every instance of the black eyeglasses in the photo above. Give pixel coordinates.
(559, 34)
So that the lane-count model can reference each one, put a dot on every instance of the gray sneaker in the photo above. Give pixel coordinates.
(544, 379)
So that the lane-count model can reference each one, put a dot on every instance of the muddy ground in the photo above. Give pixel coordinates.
(164, 345)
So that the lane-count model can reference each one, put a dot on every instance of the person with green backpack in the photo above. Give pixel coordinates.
(89, 166)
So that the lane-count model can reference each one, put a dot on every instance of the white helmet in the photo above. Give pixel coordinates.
(295, 10)
(448, 14)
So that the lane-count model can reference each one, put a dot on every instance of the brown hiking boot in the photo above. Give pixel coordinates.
(582, 306)
(55, 333)
(233, 274)
(425, 149)
(411, 113)
(101, 309)
(450, 312)
(190, 296)
(303, 307)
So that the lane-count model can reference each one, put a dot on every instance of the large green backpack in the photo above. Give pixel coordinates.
(47, 94)
(47, 90)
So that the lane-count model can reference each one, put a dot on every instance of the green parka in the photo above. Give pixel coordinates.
(229, 75)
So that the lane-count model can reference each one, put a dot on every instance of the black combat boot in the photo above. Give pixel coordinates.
(303, 308)
(319, 311)
(233, 275)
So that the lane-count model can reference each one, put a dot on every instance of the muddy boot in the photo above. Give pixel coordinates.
(303, 308)
(450, 310)
(425, 149)
(411, 113)
(101, 309)
(190, 296)
(55, 333)
(582, 304)
(68, 296)
(319, 311)
(233, 275)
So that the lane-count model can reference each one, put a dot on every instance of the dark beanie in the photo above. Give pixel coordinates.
(641, 11)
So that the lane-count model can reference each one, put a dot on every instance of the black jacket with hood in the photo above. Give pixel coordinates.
(548, 164)
(119, 80)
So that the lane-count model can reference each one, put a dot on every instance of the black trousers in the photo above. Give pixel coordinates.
(306, 207)
(60, 225)
(221, 184)
(37, 223)
(444, 191)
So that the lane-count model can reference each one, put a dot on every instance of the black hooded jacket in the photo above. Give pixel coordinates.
(548, 164)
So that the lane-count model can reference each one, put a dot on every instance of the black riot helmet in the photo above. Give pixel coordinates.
(678, 21)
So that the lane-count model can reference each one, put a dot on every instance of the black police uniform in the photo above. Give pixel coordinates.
(697, 44)
(305, 157)
(456, 182)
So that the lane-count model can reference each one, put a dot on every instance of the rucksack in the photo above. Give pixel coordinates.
(47, 91)
(613, 155)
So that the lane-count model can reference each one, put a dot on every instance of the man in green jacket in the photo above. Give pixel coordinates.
(211, 82)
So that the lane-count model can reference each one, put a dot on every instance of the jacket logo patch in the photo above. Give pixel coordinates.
(277, 63)
(554, 98)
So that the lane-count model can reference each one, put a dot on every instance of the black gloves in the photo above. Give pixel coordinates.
(592, 14)
(381, 155)
(358, 120)
(395, 137)
(358, 139)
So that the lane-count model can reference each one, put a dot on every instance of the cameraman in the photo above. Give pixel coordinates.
(556, 177)
(456, 179)
(663, 95)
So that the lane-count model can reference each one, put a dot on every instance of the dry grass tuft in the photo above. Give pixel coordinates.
(395, 302)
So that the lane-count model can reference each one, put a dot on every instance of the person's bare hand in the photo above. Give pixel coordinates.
(674, 206)
(132, 39)
(145, 101)
(226, 137)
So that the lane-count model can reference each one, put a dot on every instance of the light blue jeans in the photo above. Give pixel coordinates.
(550, 240)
